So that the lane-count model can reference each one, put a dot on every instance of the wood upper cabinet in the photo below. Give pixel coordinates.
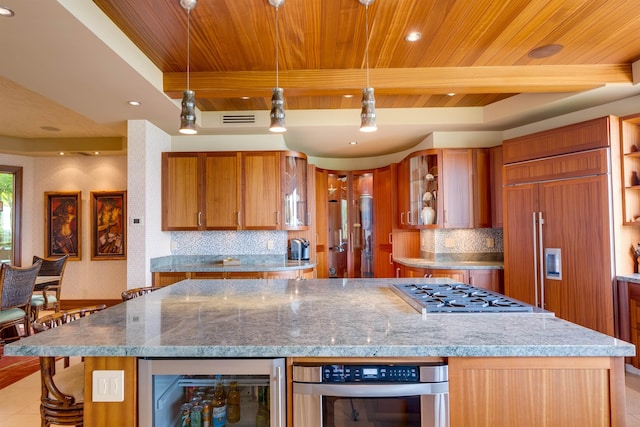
(200, 191)
(222, 191)
(457, 191)
(234, 191)
(181, 191)
(383, 217)
(447, 188)
(495, 156)
(261, 191)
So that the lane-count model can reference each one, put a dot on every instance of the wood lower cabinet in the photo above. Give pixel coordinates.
(628, 316)
(169, 278)
(490, 279)
(536, 391)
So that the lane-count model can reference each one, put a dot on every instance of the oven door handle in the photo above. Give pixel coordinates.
(370, 390)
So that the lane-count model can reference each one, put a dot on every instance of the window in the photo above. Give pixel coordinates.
(10, 214)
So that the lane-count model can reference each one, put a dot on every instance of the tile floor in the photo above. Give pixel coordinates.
(20, 402)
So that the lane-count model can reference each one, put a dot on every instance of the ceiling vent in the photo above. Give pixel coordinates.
(238, 119)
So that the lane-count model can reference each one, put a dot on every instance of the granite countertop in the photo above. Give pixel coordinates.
(450, 265)
(321, 317)
(214, 263)
(633, 277)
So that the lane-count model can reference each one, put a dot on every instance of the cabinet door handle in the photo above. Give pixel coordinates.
(401, 218)
(398, 272)
(390, 258)
(199, 219)
(278, 217)
(390, 238)
(238, 218)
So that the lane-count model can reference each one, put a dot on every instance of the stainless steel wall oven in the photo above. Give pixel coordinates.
(371, 395)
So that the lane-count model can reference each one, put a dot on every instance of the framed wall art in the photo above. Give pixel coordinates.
(108, 225)
(62, 230)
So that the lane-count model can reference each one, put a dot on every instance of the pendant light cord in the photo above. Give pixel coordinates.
(188, 43)
(277, 80)
(366, 51)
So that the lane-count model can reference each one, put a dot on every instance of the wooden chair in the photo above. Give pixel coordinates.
(138, 292)
(47, 295)
(16, 288)
(62, 393)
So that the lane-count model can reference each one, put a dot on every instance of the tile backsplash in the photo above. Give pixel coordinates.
(477, 244)
(228, 242)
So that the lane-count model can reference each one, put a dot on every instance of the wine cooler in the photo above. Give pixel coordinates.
(212, 392)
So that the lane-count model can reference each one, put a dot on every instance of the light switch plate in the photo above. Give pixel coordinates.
(108, 386)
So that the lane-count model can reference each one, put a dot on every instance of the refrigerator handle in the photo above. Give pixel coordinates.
(541, 243)
(535, 257)
(279, 396)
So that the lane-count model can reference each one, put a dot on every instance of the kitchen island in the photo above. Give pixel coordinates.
(498, 362)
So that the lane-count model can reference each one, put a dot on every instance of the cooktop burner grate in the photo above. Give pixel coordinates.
(457, 298)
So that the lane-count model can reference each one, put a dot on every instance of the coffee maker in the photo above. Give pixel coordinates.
(299, 249)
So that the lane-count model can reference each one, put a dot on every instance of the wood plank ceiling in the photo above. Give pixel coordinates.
(478, 50)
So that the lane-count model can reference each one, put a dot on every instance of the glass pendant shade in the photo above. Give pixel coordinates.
(277, 111)
(188, 114)
(368, 113)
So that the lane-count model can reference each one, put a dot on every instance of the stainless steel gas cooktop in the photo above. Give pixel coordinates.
(457, 298)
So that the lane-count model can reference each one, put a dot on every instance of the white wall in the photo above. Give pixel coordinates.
(146, 240)
(84, 279)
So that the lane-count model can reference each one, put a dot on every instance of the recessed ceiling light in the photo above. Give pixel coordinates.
(6, 12)
(545, 51)
(413, 37)
(96, 153)
(347, 96)
(61, 153)
(134, 103)
(245, 97)
(353, 143)
(50, 128)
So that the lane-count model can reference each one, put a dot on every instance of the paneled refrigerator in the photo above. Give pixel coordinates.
(558, 242)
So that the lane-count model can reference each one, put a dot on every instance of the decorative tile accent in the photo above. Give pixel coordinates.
(462, 244)
(228, 242)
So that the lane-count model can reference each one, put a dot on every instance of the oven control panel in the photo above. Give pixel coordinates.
(364, 373)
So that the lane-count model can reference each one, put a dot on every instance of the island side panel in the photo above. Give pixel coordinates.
(109, 414)
(535, 391)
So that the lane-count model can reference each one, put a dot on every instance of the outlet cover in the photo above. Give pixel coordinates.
(490, 242)
(108, 386)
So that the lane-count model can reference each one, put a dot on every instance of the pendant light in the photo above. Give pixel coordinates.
(188, 113)
(277, 97)
(368, 113)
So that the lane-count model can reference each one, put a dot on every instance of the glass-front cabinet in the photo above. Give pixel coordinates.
(294, 191)
(418, 194)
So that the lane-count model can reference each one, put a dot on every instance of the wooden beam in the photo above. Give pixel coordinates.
(402, 81)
